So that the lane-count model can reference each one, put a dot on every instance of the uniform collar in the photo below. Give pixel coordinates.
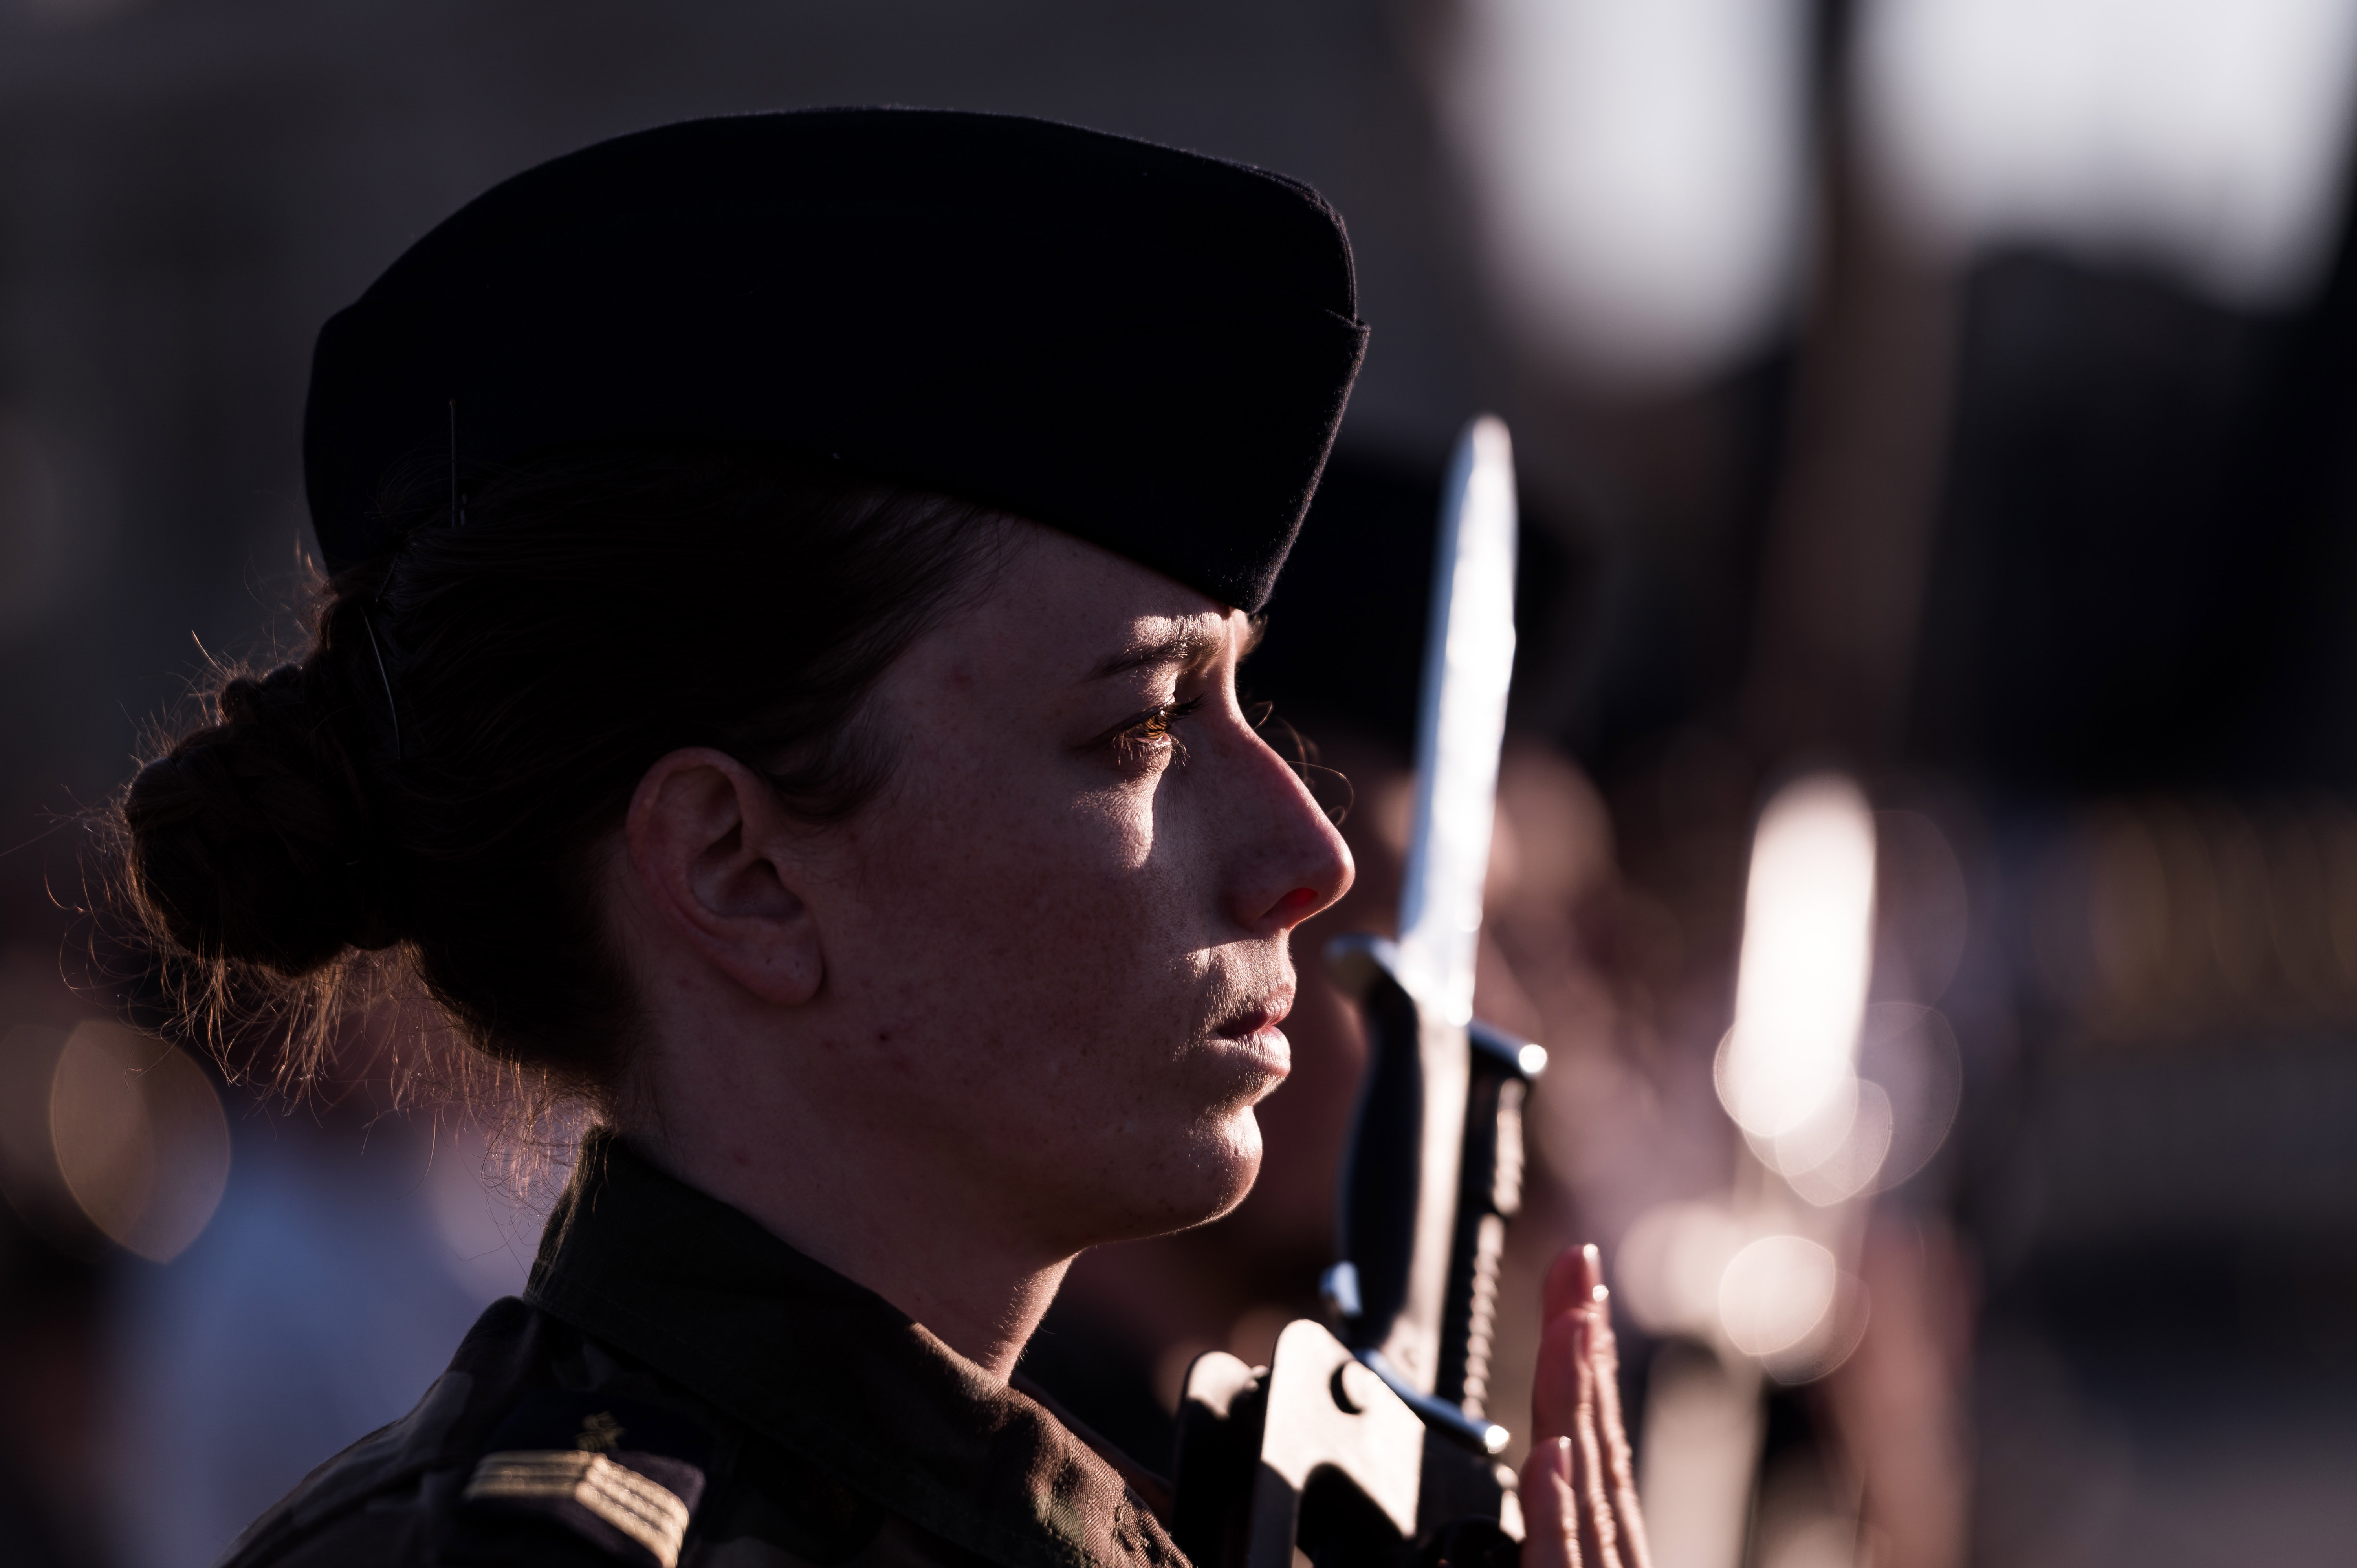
(828, 1370)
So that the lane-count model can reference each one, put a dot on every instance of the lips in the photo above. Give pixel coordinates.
(1249, 1040)
(1265, 1018)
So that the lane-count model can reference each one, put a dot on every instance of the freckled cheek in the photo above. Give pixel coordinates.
(1077, 874)
(1056, 927)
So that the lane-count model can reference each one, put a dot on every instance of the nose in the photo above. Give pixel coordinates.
(1289, 861)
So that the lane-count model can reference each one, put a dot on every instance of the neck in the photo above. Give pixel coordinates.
(850, 1197)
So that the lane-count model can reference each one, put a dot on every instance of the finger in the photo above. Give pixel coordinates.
(1604, 1360)
(1598, 1536)
(1555, 1386)
(1571, 1284)
(1550, 1539)
(1571, 1281)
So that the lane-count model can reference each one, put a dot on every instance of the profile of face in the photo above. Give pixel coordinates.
(1041, 978)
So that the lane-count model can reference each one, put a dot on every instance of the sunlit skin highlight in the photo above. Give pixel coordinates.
(1024, 1001)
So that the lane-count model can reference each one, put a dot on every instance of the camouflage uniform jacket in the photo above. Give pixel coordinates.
(679, 1389)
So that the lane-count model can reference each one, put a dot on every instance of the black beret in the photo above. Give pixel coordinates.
(1146, 347)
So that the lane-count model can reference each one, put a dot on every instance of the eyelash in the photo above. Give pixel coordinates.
(1130, 742)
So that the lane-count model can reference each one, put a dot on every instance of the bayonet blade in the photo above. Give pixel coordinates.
(1468, 662)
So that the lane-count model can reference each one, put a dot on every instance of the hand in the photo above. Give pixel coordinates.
(1579, 1495)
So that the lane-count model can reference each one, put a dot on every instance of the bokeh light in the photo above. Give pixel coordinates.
(1807, 952)
(1908, 1054)
(1669, 1265)
(2207, 133)
(1774, 1293)
(1638, 171)
(1825, 1166)
(139, 1137)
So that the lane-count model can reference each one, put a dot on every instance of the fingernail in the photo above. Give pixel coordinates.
(1593, 1253)
(1602, 1295)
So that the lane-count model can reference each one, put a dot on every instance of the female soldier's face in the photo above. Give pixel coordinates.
(1055, 945)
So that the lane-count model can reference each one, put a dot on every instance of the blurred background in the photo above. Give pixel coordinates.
(1927, 844)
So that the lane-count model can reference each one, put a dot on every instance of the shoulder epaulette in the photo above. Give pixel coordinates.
(624, 1477)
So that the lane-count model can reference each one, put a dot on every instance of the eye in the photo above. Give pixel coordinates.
(1136, 739)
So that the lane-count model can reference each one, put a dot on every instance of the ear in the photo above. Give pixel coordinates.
(701, 836)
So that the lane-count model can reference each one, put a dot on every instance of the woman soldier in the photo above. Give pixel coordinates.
(775, 683)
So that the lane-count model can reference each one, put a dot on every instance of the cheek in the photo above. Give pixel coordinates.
(1052, 890)
(1055, 933)
(1045, 980)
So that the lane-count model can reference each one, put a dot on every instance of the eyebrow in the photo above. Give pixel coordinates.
(1186, 648)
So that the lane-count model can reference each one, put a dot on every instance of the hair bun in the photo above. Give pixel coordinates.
(250, 839)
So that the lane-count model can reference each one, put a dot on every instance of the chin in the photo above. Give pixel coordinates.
(1194, 1177)
(1223, 1164)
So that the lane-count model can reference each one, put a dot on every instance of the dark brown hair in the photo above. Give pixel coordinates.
(430, 789)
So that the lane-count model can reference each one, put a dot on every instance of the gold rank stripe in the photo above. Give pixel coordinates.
(647, 1511)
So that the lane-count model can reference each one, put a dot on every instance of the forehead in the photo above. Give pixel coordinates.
(1086, 612)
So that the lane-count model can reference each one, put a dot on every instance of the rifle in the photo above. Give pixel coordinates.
(1369, 1432)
